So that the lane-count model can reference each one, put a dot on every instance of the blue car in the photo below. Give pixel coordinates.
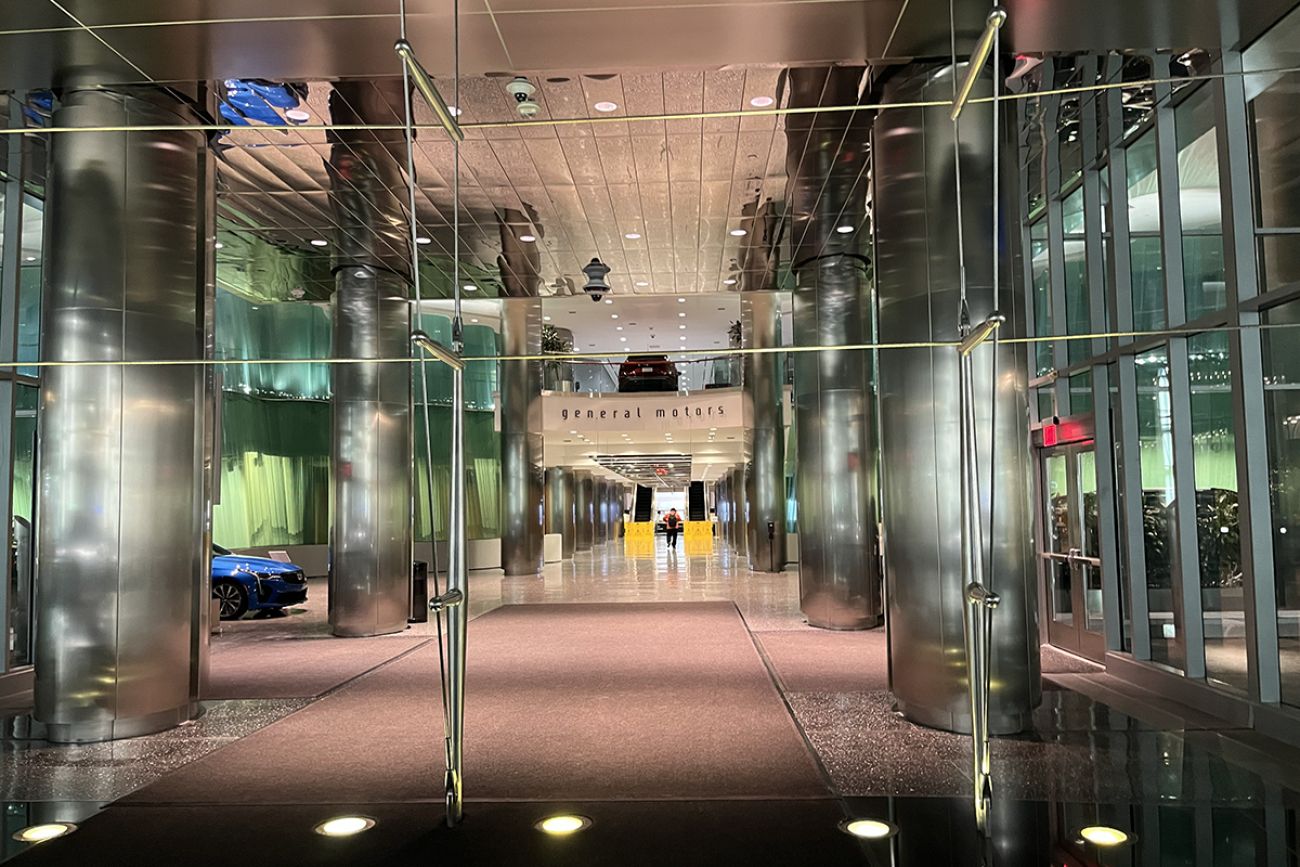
(241, 584)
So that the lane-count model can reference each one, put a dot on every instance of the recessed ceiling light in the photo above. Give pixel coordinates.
(297, 115)
(623, 339)
(738, 233)
(609, 300)
(217, 246)
(319, 242)
(844, 230)
(469, 287)
(528, 239)
(46, 831)
(642, 283)
(618, 327)
(455, 112)
(681, 300)
(475, 321)
(423, 240)
(1103, 836)
(613, 316)
(546, 319)
(730, 281)
(345, 826)
(682, 314)
(605, 105)
(761, 101)
(868, 829)
(683, 327)
(632, 236)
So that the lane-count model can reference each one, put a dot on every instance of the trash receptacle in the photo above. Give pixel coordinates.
(419, 592)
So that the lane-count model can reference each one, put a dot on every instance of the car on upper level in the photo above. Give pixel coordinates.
(647, 373)
(241, 583)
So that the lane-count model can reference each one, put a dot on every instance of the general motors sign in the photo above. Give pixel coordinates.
(652, 411)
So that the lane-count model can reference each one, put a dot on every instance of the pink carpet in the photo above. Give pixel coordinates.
(565, 702)
(296, 668)
(820, 660)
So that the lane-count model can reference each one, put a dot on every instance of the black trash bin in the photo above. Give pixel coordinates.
(419, 592)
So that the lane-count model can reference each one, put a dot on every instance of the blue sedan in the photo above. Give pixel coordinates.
(241, 584)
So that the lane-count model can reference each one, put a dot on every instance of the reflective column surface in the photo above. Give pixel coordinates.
(121, 566)
(522, 474)
(371, 533)
(560, 513)
(917, 281)
(826, 158)
(584, 519)
(765, 432)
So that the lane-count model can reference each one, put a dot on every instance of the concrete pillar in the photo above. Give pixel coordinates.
(584, 519)
(122, 560)
(521, 438)
(839, 579)
(561, 516)
(917, 280)
(765, 432)
(370, 539)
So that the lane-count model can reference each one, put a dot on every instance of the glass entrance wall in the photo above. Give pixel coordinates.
(1171, 208)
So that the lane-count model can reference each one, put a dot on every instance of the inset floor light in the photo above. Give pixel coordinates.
(1104, 836)
(41, 833)
(345, 826)
(869, 829)
(563, 825)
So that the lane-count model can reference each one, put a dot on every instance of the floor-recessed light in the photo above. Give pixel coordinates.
(761, 101)
(632, 236)
(868, 829)
(422, 240)
(844, 230)
(345, 826)
(43, 832)
(528, 239)
(738, 233)
(319, 242)
(605, 105)
(1104, 836)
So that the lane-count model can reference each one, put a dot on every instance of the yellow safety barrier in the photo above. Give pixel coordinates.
(638, 530)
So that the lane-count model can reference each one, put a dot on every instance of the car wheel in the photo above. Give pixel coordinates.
(231, 598)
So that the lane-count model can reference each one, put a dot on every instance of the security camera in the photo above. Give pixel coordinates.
(596, 271)
(522, 90)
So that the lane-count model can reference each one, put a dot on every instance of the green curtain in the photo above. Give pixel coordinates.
(246, 330)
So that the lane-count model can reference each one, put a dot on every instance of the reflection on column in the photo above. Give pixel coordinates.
(521, 438)
(121, 566)
(917, 281)
(826, 156)
(765, 432)
(371, 535)
(560, 513)
(584, 520)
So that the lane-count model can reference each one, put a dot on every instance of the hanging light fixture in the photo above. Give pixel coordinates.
(596, 287)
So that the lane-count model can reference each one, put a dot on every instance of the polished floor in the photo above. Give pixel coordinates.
(707, 724)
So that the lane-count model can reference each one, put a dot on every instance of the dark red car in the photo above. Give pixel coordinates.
(647, 373)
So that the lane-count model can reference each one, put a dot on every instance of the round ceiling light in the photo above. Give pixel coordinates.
(682, 315)
(681, 300)
(868, 829)
(613, 316)
(563, 826)
(844, 230)
(345, 826)
(632, 236)
(528, 239)
(455, 112)
(606, 106)
(761, 101)
(730, 281)
(1104, 836)
(546, 319)
(738, 233)
(422, 240)
(216, 246)
(642, 283)
(46, 831)
(683, 327)
(469, 288)
(609, 300)
(319, 242)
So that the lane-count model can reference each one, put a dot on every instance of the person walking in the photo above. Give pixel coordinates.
(671, 523)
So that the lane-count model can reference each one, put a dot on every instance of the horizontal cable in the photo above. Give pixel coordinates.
(697, 354)
(653, 118)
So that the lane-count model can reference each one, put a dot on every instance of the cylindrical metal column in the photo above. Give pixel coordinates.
(839, 580)
(765, 432)
(740, 505)
(121, 568)
(560, 514)
(370, 565)
(522, 475)
(600, 512)
(918, 285)
(584, 519)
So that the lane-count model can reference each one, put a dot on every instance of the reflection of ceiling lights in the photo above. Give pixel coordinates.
(761, 101)
(632, 236)
(844, 230)
(730, 281)
(469, 288)
(297, 115)
(606, 106)
(423, 240)
(345, 826)
(738, 233)
(869, 829)
(217, 246)
(41, 833)
(618, 327)
(319, 242)
(528, 239)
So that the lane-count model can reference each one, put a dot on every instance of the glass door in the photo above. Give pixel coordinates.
(1070, 553)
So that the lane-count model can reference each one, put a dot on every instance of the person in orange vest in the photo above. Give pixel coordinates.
(672, 521)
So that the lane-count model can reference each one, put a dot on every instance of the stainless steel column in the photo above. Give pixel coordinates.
(370, 566)
(585, 522)
(839, 580)
(560, 513)
(522, 475)
(599, 499)
(918, 286)
(120, 559)
(740, 506)
(765, 432)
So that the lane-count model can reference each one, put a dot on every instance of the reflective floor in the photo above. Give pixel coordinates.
(1186, 787)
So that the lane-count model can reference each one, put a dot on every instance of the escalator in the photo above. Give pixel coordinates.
(696, 509)
(645, 501)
